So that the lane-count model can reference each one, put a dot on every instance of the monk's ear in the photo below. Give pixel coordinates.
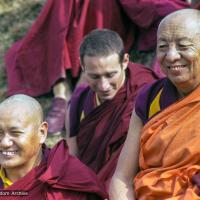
(125, 61)
(43, 130)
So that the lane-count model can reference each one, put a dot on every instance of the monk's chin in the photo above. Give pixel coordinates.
(8, 164)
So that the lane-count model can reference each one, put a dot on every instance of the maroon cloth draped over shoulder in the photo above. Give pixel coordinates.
(37, 61)
(59, 176)
(102, 132)
(196, 5)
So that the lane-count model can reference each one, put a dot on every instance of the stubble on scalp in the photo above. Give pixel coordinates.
(185, 16)
(31, 105)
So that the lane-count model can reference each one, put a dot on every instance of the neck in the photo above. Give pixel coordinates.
(18, 172)
(124, 78)
(184, 90)
(184, 93)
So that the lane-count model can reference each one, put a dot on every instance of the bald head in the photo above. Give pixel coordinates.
(22, 103)
(178, 49)
(22, 131)
(186, 17)
(186, 13)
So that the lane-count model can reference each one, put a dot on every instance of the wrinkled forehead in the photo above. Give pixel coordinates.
(179, 26)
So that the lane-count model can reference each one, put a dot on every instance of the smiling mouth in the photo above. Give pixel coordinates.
(176, 67)
(8, 153)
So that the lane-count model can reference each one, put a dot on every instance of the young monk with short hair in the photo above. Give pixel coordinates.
(99, 111)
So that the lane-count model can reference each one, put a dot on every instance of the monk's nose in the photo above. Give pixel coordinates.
(172, 54)
(103, 84)
(6, 141)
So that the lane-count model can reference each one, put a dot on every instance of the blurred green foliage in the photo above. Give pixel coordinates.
(16, 17)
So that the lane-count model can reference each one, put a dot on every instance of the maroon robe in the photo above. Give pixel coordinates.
(146, 15)
(103, 131)
(59, 176)
(37, 61)
(196, 5)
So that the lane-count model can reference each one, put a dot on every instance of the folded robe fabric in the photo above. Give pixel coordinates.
(170, 152)
(51, 46)
(59, 176)
(102, 132)
(36, 62)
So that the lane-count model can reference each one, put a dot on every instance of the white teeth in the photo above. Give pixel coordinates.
(8, 153)
(176, 67)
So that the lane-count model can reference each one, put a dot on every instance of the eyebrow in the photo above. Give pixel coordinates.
(185, 38)
(90, 73)
(14, 128)
(93, 74)
(179, 39)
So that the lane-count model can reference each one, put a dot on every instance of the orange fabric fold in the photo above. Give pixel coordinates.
(170, 152)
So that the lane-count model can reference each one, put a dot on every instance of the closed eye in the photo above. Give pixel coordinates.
(162, 46)
(16, 132)
(93, 76)
(183, 45)
(110, 75)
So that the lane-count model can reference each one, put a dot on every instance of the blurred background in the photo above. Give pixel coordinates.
(16, 17)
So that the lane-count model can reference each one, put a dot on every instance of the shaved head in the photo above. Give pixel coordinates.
(184, 16)
(22, 132)
(178, 49)
(23, 103)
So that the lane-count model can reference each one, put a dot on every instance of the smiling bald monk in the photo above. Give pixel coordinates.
(27, 164)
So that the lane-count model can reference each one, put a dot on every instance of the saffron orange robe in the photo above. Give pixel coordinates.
(170, 152)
